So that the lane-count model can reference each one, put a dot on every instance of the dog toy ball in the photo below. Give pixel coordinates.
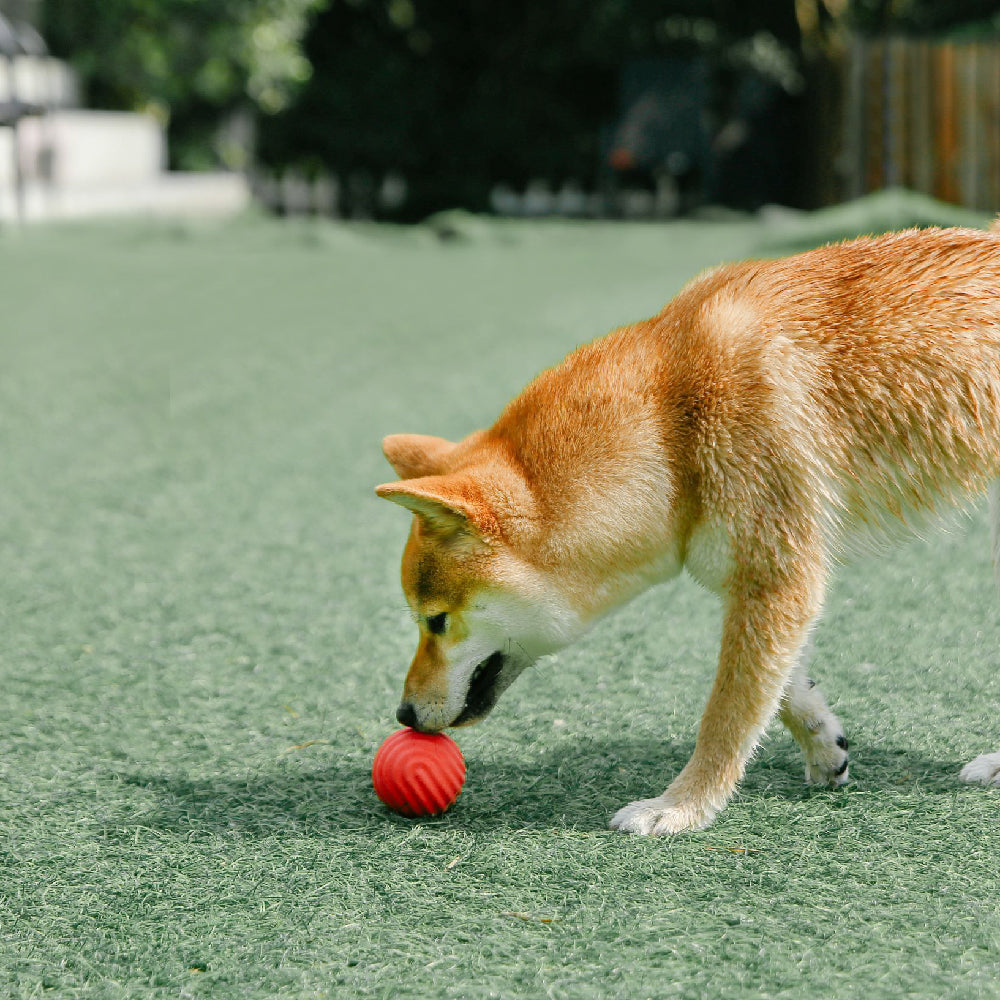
(418, 774)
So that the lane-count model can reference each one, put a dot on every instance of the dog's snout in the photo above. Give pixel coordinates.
(406, 715)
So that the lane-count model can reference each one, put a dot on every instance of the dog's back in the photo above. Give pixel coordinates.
(864, 376)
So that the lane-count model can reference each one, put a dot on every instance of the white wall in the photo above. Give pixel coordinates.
(39, 81)
(75, 148)
(76, 163)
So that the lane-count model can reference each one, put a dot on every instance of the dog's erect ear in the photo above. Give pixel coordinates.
(416, 455)
(447, 503)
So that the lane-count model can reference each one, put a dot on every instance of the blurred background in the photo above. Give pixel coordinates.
(398, 109)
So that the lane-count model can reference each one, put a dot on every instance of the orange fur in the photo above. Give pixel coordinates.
(772, 415)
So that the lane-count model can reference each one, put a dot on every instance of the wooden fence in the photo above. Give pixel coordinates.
(923, 115)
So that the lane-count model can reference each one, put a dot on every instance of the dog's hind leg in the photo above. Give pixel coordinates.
(985, 769)
(816, 729)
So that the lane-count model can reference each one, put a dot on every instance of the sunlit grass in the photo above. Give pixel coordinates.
(204, 640)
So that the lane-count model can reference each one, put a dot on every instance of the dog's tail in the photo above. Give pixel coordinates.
(995, 228)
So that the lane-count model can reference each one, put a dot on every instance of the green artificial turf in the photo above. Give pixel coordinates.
(203, 642)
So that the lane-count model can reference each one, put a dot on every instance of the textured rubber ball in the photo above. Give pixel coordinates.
(418, 774)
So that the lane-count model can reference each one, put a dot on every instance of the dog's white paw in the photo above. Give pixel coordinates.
(826, 756)
(984, 770)
(817, 730)
(660, 816)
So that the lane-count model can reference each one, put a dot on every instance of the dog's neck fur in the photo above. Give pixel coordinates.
(603, 519)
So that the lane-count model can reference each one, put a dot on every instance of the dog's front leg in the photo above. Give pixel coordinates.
(765, 627)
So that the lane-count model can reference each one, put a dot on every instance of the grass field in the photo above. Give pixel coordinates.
(203, 642)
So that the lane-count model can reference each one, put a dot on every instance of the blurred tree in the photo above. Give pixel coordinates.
(188, 61)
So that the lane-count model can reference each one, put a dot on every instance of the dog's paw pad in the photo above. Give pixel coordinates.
(984, 770)
(655, 817)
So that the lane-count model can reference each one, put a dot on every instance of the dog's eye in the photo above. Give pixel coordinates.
(436, 624)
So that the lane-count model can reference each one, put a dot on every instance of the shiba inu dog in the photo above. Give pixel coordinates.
(774, 415)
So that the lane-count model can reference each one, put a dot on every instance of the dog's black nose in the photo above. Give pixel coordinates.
(406, 715)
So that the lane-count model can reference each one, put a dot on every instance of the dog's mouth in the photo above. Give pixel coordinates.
(483, 691)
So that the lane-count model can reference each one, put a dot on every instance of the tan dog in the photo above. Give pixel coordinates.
(771, 416)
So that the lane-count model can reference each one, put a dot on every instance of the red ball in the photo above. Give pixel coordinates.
(418, 774)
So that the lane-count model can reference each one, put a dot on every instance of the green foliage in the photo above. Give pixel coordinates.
(189, 61)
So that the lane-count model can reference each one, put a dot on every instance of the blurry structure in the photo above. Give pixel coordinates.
(27, 91)
(693, 131)
(662, 141)
(60, 161)
(923, 115)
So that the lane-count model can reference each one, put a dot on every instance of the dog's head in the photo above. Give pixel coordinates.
(485, 612)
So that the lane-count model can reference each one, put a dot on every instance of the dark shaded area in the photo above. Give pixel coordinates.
(574, 784)
(923, 16)
(463, 98)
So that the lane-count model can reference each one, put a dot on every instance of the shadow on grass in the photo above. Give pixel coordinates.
(576, 785)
